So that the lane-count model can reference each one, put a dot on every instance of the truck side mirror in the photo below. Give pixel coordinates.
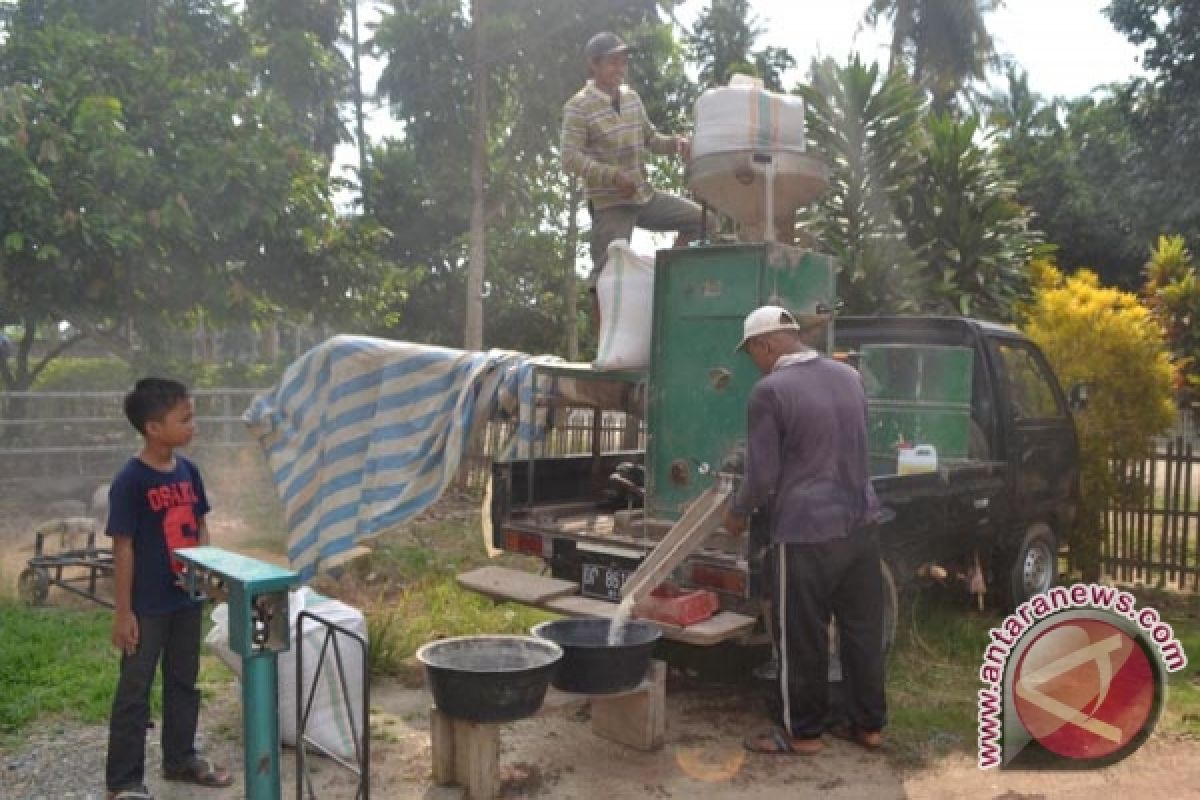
(1077, 397)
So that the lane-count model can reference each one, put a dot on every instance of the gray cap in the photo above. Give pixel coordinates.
(604, 44)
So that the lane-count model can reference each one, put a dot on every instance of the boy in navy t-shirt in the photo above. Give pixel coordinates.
(156, 504)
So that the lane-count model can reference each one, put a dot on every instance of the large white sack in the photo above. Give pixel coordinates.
(745, 116)
(329, 721)
(625, 293)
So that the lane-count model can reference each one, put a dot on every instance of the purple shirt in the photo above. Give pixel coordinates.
(806, 452)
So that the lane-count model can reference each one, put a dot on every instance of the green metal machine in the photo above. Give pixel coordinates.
(257, 593)
(696, 410)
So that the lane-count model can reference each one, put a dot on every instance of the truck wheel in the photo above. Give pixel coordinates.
(33, 585)
(1034, 567)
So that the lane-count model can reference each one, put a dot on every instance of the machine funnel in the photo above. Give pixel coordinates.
(748, 159)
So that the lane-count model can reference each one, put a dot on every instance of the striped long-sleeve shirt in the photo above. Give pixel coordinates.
(598, 143)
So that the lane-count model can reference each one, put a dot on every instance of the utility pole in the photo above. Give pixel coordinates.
(476, 259)
(364, 174)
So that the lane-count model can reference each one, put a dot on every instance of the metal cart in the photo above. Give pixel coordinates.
(76, 565)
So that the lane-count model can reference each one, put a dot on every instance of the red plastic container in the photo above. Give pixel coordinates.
(676, 606)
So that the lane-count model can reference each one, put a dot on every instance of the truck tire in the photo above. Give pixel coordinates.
(1034, 565)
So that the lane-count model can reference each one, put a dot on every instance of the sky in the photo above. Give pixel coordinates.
(1068, 47)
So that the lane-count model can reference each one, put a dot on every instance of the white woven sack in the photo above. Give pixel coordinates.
(625, 292)
(329, 722)
(745, 116)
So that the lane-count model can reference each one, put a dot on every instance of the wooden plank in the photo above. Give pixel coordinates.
(504, 583)
(441, 740)
(477, 758)
(701, 518)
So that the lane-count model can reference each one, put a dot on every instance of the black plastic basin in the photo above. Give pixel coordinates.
(590, 664)
(491, 677)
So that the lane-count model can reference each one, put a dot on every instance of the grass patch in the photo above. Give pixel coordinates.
(61, 662)
(407, 589)
(54, 662)
(434, 609)
(933, 674)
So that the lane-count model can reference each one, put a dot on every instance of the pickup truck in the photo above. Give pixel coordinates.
(998, 513)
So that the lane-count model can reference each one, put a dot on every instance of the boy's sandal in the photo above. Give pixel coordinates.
(871, 740)
(136, 793)
(201, 772)
(775, 741)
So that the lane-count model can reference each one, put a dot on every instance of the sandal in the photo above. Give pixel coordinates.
(871, 740)
(201, 772)
(776, 742)
(134, 793)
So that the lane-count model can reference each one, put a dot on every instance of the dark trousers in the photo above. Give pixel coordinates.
(809, 583)
(176, 636)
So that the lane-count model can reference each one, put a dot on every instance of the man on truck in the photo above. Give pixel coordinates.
(605, 136)
(807, 467)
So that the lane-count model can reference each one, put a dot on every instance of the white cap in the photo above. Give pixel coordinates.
(767, 319)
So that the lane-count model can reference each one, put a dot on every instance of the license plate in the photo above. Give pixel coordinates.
(603, 582)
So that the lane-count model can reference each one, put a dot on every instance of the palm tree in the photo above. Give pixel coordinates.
(944, 44)
(868, 127)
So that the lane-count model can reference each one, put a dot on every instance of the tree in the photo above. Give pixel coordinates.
(534, 62)
(297, 58)
(1173, 293)
(721, 44)
(1165, 110)
(943, 44)
(974, 239)
(146, 178)
(868, 128)
(1107, 339)
(1080, 168)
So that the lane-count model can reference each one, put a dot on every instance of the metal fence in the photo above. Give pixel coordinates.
(86, 435)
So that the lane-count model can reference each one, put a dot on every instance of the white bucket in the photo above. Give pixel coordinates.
(922, 458)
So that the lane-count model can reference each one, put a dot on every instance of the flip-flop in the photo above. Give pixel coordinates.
(776, 742)
(136, 793)
(871, 740)
(201, 772)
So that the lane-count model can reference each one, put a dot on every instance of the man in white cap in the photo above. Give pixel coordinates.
(605, 137)
(807, 468)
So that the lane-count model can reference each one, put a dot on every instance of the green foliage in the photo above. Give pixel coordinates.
(1105, 338)
(148, 172)
(437, 607)
(534, 63)
(71, 374)
(943, 44)
(1081, 168)
(867, 127)
(68, 374)
(54, 662)
(973, 237)
(721, 44)
(1173, 294)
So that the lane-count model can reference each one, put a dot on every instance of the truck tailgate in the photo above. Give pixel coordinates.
(562, 597)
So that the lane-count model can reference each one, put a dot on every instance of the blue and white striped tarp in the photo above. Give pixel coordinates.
(363, 434)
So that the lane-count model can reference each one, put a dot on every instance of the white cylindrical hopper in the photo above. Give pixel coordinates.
(749, 161)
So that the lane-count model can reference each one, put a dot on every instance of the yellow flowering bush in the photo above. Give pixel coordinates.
(1106, 338)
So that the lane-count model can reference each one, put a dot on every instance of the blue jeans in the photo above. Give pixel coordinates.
(176, 636)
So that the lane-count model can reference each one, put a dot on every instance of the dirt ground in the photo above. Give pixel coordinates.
(556, 755)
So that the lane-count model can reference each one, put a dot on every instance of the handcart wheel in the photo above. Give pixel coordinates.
(33, 585)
